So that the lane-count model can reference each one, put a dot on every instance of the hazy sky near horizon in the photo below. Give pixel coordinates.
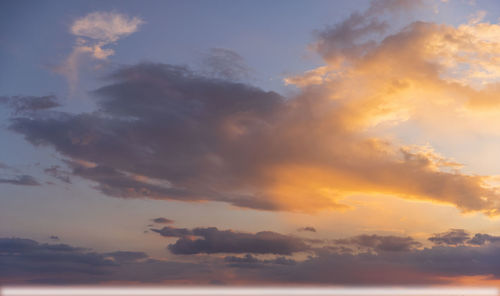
(328, 142)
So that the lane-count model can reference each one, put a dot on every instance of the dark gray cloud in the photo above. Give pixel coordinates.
(162, 220)
(54, 237)
(29, 103)
(14, 176)
(452, 237)
(59, 173)
(251, 261)
(25, 258)
(482, 238)
(25, 261)
(164, 132)
(23, 180)
(169, 231)
(184, 130)
(381, 243)
(214, 240)
(228, 241)
(308, 228)
(437, 265)
(248, 258)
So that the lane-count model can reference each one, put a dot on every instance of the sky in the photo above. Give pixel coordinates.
(250, 142)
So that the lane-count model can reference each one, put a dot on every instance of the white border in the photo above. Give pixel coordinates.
(244, 291)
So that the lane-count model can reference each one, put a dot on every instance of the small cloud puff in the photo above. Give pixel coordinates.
(162, 220)
(105, 26)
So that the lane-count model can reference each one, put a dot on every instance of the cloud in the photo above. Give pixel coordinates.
(58, 173)
(25, 258)
(353, 37)
(225, 64)
(13, 176)
(482, 238)
(169, 231)
(118, 183)
(105, 26)
(162, 220)
(380, 243)
(23, 180)
(315, 76)
(413, 76)
(437, 265)
(228, 241)
(126, 256)
(29, 103)
(347, 32)
(308, 228)
(98, 29)
(250, 261)
(163, 179)
(95, 31)
(54, 237)
(188, 137)
(452, 237)
(460, 237)
(26, 261)
(165, 132)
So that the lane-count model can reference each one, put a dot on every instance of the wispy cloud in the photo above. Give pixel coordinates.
(225, 64)
(22, 104)
(23, 180)
(94, 32)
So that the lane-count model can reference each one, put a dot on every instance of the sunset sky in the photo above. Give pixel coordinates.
(250, 142)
